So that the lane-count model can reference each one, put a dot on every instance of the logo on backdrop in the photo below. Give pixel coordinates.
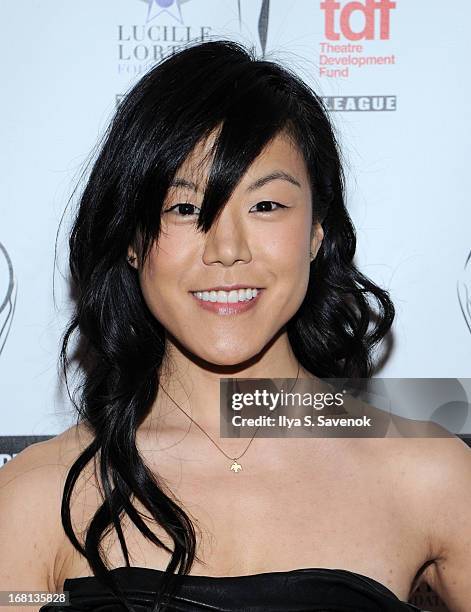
(349, 26)
(165, 32)
(357, 36)
(171, 7)
(464, 292)
(360, 103)
(7, 295)
(376, 16)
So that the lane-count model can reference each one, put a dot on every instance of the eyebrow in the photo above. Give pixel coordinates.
(260, 182)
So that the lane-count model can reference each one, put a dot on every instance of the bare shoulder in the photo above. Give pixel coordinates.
(431, 463)
(433, 477)
(31, 532)
(40, 464)
(426, 467)
(445, 471)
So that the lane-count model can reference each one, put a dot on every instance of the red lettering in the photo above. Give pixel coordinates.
(384, 6)
(330, 6)
(368, 8)
(368, 31)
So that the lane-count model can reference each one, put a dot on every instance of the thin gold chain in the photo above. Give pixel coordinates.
(206, 434)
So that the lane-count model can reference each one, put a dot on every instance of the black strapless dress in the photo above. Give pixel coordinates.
(299, 590)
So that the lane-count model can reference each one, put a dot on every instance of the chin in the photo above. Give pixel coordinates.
(228, 355)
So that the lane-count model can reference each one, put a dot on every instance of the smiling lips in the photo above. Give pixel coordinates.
(223, 302)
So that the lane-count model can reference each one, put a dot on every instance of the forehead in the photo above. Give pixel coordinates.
(281, 153)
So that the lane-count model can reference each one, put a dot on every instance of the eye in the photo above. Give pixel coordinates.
(266, 205)
(184, 209)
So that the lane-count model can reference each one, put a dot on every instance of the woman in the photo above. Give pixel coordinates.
(212, 241)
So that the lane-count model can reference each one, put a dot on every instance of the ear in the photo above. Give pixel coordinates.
(317, 235)
(132, 257)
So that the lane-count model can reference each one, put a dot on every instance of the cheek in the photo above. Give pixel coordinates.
(162, 275)
(289, 253)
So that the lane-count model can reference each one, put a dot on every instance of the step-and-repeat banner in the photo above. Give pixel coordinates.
(395, 78)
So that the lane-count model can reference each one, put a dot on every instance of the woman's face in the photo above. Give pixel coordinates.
(261, 241)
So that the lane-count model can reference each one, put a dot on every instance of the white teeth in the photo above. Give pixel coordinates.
(224, 297)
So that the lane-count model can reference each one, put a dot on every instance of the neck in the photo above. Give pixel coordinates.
(194, 386)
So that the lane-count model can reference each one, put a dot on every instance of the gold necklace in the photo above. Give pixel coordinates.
(235, 466)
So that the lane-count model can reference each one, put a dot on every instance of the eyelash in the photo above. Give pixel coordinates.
(258, 203)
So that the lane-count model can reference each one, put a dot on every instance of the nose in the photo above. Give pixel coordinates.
(226, 241)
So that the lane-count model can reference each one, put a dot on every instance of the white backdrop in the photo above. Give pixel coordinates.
(65, 64)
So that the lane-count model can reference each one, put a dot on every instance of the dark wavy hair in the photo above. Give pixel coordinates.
(179, 102)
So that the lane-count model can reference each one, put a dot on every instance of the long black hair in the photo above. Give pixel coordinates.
(179, 102)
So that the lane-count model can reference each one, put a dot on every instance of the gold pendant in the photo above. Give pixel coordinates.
(235, 467)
